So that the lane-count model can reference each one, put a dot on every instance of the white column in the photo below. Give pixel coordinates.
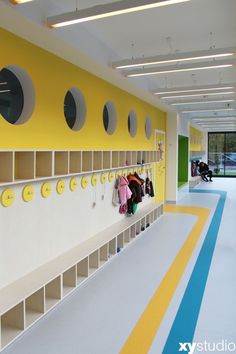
(171, 156)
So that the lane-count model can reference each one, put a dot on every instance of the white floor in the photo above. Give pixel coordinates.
(99, 316)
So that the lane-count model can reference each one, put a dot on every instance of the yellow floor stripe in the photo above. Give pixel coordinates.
(143, 334)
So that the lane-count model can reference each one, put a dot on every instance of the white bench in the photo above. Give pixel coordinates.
(25, 301)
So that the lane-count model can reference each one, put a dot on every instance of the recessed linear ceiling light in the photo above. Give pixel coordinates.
(213, 118)
(181, 68)
(200, 102)
(193, 90)
(199, 95)
(15, 2)
(107, 10)
(209, 110)
(3, 91)
(3, 83)
(172, 58)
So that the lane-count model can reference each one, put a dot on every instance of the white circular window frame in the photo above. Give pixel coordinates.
(148, 128)
(112, 119)
(81, 110)
(133, 123)
(28, 93)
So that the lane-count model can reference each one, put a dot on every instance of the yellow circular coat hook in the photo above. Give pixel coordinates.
(7, 197)
(73, 184)
(28, 193)
(111, 176)
(103, 178)
(61, 185)
(46, 189)
(84, 182)
(94, 180)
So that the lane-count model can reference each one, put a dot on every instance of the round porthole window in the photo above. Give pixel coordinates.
(148, 128)
(132, 123)
(74, 109)
(109, 117)
(17, 95)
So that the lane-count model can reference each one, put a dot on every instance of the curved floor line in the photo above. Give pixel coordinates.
(143, 334)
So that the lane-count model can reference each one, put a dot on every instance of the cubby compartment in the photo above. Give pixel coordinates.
(24, 165)
(156, 156)
(127, 236)
(139, 158)
(155, 214)
(132, 231)
(128, 158)
(138, 227)
(82, 270)
(143, 224)
(106, 160)
(112, 247)
(134, 157)
(144, 156)
(69, 280)
(6, 167)
(93, 262)
(122, 158)
(115, 159)
(75, 162)
(53, 293)
(87, 161)
(148, 222)
(43, 164)
(120, 241)
(34, 307)
(152, 156)
(97, 160)
(12, 324)
(151, 217)
(104, 254)
(61, 163)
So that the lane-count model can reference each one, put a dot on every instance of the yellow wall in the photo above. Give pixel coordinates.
(47, 128)
(196, 139)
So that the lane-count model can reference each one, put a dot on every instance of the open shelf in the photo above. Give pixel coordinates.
(24, 165)
(134, 157)
(128, 158)
(93, 262)
(12, 324)
(69, 278)
(112, 247)
(34, 307)
(106, 160)
(115, 159)
(127, 236)
(133, 231)
(82, 270)
(61, 163)
(43, 164)
(139, 158)
(6, 167)
(97, 160)
(87, 161)
(122, 158)
(143, 224)
(104, 254)
(120, 241)
(138, 227)
(75, 162)
(53, 293)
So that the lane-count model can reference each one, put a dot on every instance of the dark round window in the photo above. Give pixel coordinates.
(132, 123)
(74, 109)
(70, 109)
(109, 117)
(11, 96)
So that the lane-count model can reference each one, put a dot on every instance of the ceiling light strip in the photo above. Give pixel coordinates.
(18, 2)
(107, 10)
(199, 95)
(193, 90)
(200, 102)
(209, 110)
(175, 69)
(177, 57)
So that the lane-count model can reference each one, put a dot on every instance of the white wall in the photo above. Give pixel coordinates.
(171, 156)
(33, 233)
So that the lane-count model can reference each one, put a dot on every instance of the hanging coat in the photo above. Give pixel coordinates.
(124, 191)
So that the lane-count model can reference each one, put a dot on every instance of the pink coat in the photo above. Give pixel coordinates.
(124, 191)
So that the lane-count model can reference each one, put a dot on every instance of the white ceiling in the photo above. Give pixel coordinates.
(187, 25)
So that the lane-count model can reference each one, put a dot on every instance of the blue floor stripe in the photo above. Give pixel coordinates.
(185, 321)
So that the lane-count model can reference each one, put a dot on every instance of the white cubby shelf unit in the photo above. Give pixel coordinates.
(25, 301)
(28, 166)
